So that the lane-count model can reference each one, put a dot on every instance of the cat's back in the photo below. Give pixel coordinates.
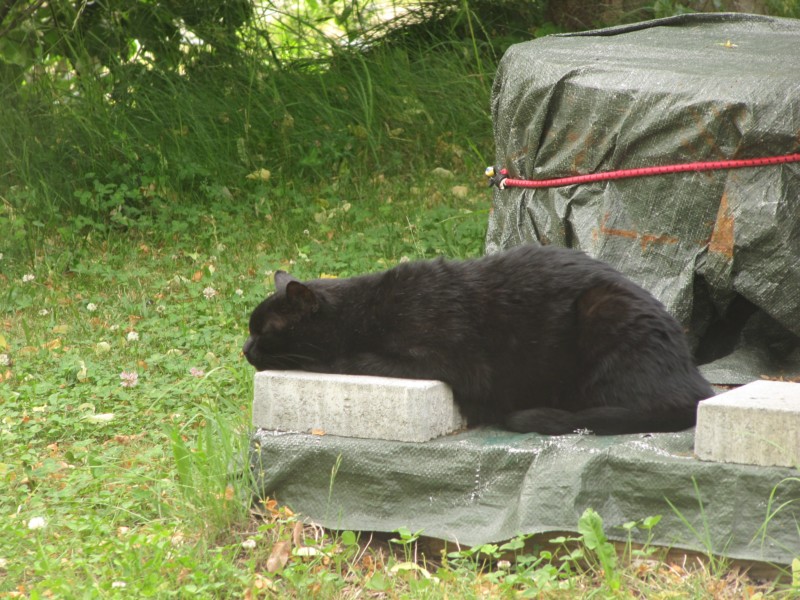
(547, 270)
(527, 278)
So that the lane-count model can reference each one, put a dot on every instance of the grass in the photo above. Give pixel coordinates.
(133, 481)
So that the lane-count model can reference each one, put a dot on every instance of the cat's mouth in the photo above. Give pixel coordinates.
(254, 357)
(251, 354)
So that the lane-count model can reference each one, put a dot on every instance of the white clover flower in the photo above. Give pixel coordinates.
(133, 336)
(113, 327)
(249, 544)
(239, 292)
(209, 292)
(196, 372)
(91, 307)
(129, 378)
(44, 312)
(37, 523)
(5, 360)
(28, 277)
(118, 584)
(102, 347)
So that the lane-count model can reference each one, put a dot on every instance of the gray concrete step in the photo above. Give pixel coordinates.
(407, 410)
(756, 424)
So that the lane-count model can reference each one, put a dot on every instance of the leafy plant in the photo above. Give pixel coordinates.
(647, 524)
(590, 525)
(407, 541)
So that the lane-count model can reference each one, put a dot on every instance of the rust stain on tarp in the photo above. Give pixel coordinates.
(645, 239)
(649, 238)
(721, 240)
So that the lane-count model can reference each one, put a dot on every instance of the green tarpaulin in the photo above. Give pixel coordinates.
(488, 485)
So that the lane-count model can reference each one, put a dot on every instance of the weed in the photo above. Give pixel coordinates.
(773, 508)
(716, 563)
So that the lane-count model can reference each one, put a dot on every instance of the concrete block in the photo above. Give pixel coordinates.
(408, 410)
(756, 424)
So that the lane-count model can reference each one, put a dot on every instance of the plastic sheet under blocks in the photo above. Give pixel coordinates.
(407, 410)
(756, 424)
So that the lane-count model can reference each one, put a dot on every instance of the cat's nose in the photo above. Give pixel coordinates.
(247, 345)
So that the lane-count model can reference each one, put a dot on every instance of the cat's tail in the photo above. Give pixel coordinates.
(602, 420)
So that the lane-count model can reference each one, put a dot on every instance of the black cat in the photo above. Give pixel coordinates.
(537, 339)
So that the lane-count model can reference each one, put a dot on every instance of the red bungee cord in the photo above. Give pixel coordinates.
(500, 178)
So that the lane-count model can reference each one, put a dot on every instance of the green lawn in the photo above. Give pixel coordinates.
(125, 408)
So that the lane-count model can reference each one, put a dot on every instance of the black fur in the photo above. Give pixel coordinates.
(537, 339)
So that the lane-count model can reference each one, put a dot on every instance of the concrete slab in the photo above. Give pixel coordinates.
(756, 424)
(407, 410)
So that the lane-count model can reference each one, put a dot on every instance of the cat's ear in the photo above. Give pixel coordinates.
(282, 279)
(302, 296)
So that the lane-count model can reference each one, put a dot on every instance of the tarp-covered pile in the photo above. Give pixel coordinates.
(721, 249)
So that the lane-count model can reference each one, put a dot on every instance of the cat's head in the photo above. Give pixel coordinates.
(284, 329)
